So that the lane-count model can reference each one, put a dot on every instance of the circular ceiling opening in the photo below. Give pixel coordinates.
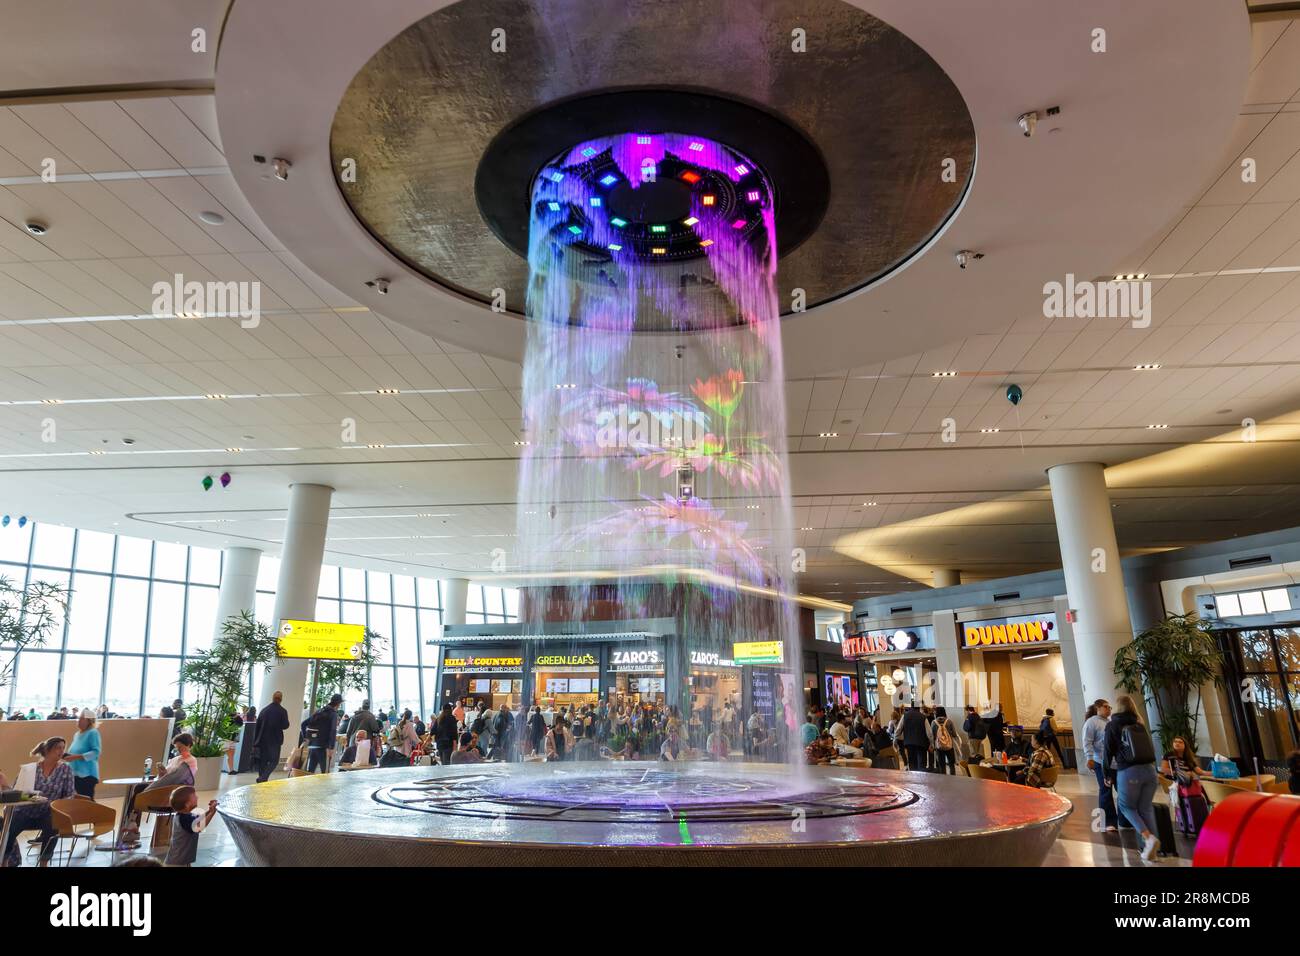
(854, 130)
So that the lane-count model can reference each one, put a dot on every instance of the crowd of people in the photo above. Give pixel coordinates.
(473, 730)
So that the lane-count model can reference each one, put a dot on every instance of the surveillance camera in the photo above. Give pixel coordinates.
(1028, 122)
(967, 255)
(379, 285)
(282, 166)
(36, 228)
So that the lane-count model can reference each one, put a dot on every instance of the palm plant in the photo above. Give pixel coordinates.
(1165, 663)
(221, 676)
(28, 618)
(332, 676)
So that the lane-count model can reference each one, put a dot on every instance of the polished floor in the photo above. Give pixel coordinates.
(1078, 844)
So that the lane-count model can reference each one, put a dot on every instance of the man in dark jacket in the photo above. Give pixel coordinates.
(916, 741)
(503, 729)
(445, 734)
(363, 719)
(322, 731)
(268, 737)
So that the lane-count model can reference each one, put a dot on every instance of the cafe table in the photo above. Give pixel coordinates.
(1009, 768)
(6, 811)
(129, 783)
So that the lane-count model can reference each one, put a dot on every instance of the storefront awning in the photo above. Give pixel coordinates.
(568, 631)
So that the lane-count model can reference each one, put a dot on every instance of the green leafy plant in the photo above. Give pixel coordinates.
(221, 678)
(337, 676)
(1165, 664)
(28, 618)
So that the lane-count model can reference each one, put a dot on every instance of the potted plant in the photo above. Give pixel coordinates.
(329, 677)
(1164, 664)
(221, 676)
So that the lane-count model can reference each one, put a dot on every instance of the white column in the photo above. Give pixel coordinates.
(238, 584)
(455, 593)
(295, 593)
(1094, 583)
(945, 577)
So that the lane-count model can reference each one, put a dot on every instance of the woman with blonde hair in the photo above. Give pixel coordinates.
(1129, 750)
(83, 755)
(53, 782)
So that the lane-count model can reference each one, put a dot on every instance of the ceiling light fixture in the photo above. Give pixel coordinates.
(944, 375)
(1157, 426)
(51, 401)
(211, 218)
(216, 395)
(829, 435)
(1131, 277)
(376, 445)
(1149, 367)
(989, 431)
(869, 504)
(234, 450)
(387, 391)
(807, 529)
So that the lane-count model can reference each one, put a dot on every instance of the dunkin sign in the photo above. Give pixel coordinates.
(1010, 631)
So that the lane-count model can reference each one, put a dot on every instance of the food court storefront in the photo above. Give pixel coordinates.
(715, 681)
(891, 666)
(560, 664)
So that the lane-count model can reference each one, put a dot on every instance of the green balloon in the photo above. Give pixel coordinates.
(207, 482)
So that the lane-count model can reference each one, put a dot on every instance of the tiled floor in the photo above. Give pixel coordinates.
(1078, 845)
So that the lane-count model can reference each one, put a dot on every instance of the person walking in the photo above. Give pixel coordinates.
(1094, 744)
(1128, 748)
(322, 733)
(1047, 734)
(916, 741)
(996, 725)
(944, 742)
(445, 733)
(268, 736)
(363, 719)
(83, 754)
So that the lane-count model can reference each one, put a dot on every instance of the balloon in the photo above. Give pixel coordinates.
(225, 478)
(207, 482)
(4, 522)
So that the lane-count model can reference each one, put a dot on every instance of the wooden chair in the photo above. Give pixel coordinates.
(81, 818)
(1277, 786)
(1047, 779)
(158, 804)
(985, 773)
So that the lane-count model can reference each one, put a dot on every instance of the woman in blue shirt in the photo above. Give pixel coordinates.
(83, 755)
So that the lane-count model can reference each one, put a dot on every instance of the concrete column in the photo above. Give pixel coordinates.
(238, 584)
(295, 593)
(946, 577)
(455, 592)
(1094, 583)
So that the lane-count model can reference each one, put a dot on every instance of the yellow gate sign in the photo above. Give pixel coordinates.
(321, 641)
(758, 652)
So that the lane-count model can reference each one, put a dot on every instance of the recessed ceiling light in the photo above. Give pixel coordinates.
(1149, 367)
(1157, 426)
(949, 374)
(234, 450)
(99, 453)
(387, 391)
(807, 529)
(753, 507)
(51, 401)
(829, 435)
(566, 385)
(989, 431)
(1131, 277)
(376, 445)
(520, 444)
(869, 504)
(212, 218)
(189, 315)
(216, 395)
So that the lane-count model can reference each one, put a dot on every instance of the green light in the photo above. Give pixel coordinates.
(658, 228)
(618, 222)
(576, 230)
(683, 831)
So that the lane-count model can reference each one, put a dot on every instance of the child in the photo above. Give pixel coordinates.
(185, 834)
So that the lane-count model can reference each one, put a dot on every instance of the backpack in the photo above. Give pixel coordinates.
(318, 728)
(942, 739)
(395, 736)
(1135, 745)
(976, 727)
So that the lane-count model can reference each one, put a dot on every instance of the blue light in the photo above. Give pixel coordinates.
(608, 180)
(576, 230)
(556, 177)
(589, 152)
(620, 223)
(553, 206)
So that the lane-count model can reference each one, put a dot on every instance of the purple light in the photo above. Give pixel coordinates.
(739, 224)
(742, 169)
(753, 195)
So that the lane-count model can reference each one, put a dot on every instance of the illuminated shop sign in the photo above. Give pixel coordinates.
(888, 642)
(710, 659)
(1010, 631)
(641, 659)
(758, 652)
(565, 660)
(483, 665)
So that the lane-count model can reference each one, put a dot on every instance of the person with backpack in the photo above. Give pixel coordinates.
(1129, 750)
(976, 730)
(402, 737)
(322, 732)
(1047, 733)
(944, 742)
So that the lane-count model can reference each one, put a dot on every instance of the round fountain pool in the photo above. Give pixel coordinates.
(640, 814)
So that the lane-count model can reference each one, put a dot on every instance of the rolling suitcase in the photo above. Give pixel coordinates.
(1165, 829)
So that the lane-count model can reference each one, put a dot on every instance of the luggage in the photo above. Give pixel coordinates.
(1165, 830)
(1191, 813)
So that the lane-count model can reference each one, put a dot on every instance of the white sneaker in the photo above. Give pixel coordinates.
(1150, 848)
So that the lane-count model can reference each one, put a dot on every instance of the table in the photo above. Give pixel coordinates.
(129, 783)
(1008, 768)
(6, 810)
